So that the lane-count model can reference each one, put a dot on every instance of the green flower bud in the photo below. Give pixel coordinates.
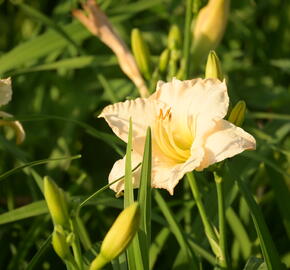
(163, 61)
(174, 38)
(59, 243)
(141, 53)
(119, 236)
(237, 115)
(213, 67)
(57, 203)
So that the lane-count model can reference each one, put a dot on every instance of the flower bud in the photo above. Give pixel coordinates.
(119, 236)
(57, 203)
(174, 38)
(213, 67)
(5, 91)
(209, 28)
(59, 243)
(237, 115)
(163, 61)
(141, 53)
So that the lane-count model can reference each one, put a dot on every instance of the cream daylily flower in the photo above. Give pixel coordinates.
(5, 97)
(188, 130)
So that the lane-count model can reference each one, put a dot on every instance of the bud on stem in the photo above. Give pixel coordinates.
(163, 61)
(237, 115)
(209, 28)
(59, 243)
(141, 53)
(213, 67)
(57, 203)
(174, 38)
(119, 236)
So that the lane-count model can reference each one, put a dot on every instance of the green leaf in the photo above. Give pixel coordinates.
(128, 191)
(176, 230)
(135, 7)
(30, 210)
(144, 199)
(111, 140)
(27, 242)
(39, 254)
(255, 264)
(133, 251)
(282, 196)
(269, 250)
(72, 63)
(35, 163)
(239, 232)
(40, 46)
(40, 17)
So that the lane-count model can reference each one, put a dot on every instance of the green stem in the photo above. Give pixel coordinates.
(84, 237)
(71, 264)
(223, 260)
(187, 216)
(213, 240)
(187, 40)
(76, 245)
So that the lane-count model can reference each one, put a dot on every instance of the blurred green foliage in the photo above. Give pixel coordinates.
(63, 77)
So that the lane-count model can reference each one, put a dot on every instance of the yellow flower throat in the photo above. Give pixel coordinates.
(167, 138)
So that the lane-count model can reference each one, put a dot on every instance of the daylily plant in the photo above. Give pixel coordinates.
(188, 130)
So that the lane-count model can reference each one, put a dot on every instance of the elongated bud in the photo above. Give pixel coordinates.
(5, 91)
(209, 28)
(119, 236)
(163, 61)
(59, 243)
(213, 67)
(57, 203)
(174, 38)
(237, 115)
(141, 53)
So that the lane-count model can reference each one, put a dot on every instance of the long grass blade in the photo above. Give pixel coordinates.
(269, 250)
(144, 199)
(39, 47)
(133, 251)
(27, 211)
(35, 163)
(39, 254)
(176, 230)
(239, 231)
(40, 17)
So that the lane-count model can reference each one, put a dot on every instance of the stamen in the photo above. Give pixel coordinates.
(164, 137)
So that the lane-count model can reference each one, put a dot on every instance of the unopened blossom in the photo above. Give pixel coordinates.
(209, 27)
(188, 130)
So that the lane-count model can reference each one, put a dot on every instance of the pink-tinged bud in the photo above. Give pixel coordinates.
(209, 28)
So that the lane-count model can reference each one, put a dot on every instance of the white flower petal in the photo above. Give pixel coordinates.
(118, 171)
(225, 141)
(167, 175)
(142, 112)
(5, 91)
(195, 104)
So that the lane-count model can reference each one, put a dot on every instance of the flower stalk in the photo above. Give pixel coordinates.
(223, 259)
(185, 65)
(209, 231)
(76, 247)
